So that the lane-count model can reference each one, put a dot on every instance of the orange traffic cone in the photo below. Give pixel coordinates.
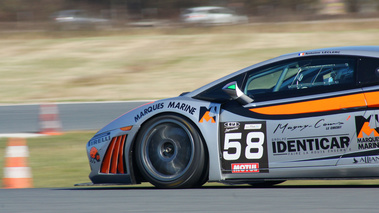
(49, 119)
(16, 172)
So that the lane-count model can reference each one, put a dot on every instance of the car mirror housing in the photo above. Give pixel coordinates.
(235, 93)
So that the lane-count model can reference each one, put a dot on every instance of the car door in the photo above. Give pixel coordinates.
(365, 144)
(302, 115)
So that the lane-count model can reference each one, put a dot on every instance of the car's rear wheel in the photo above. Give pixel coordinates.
(170, 153)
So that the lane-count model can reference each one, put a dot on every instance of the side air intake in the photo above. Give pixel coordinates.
(114, 157)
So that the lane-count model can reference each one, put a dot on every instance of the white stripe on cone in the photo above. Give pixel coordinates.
(55, 124)
(17, 172)
(16, 151)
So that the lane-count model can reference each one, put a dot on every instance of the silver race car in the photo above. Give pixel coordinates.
(304, 115)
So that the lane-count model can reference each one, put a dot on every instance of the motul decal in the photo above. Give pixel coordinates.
(245, 167)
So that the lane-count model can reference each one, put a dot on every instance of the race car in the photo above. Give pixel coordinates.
(304, 115)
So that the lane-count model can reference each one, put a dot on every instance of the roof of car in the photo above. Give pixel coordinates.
(348, 50)
(367, 51)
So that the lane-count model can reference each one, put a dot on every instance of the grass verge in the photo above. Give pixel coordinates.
(56, 161)
(61, 161)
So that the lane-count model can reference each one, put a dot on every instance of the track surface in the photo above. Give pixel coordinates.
(73, 116)
(208, 199)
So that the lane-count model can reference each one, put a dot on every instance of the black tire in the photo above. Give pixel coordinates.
(170, 153)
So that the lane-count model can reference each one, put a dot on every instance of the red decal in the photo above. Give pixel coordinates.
(245, 167)
(94, 154)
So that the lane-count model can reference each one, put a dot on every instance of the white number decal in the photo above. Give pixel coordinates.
(254, 145)
(250, 153)
(232, 144)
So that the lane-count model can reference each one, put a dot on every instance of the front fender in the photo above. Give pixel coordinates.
(117, 137)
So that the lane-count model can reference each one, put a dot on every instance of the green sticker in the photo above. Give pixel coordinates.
(232, 87)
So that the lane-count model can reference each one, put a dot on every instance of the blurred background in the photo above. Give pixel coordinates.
(86, 50)
(74, 51)
(39, 12)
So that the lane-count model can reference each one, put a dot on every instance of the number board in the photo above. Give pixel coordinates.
(243, 147)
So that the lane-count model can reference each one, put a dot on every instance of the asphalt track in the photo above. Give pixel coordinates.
(208, 199)
(24, 118)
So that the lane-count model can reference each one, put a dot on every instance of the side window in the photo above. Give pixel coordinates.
(300, 77)
(368, 73)
(264, 81)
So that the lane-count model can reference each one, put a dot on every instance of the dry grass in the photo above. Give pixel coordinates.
(152, 63)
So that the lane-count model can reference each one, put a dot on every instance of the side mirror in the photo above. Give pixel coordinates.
(236, 94)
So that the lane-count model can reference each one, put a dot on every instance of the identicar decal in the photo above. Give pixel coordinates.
(310, 145)
(244, 147)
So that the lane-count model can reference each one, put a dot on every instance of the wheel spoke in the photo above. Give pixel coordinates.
(172, 169)
(181, 144)
(178, 165)
(163, 129)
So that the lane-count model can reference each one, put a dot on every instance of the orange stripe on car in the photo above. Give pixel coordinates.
(322, 105)
(372, 99)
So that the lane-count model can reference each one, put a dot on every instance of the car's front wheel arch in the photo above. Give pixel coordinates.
(144, 163)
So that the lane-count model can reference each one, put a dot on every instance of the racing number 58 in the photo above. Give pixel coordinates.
(254, 145)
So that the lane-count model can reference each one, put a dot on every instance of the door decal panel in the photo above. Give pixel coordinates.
(244, 147)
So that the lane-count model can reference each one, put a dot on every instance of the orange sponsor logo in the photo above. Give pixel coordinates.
(207, 114)
(207, 118)
(368, 131)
